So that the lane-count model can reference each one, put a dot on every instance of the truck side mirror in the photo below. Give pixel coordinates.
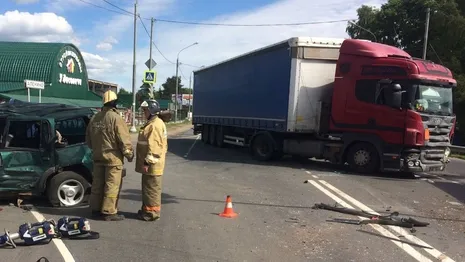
(395, 98)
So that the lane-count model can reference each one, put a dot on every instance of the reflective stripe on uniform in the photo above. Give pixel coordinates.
(154, 208)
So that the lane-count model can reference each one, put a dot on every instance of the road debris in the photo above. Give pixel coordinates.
(392, 219)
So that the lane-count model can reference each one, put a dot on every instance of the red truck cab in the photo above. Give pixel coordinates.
(394, 112)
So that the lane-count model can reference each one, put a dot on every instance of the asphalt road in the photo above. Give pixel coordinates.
(275, 222)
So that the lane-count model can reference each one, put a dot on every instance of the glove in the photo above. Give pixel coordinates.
(130, 157)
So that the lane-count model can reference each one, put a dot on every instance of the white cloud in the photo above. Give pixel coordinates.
(217, 43)
(107, 44)
(100, 68)
(36, 27)
(25, 2)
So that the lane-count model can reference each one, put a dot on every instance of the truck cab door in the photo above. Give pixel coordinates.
(26, 156)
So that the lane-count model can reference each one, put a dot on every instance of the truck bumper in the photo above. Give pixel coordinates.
(425, 160)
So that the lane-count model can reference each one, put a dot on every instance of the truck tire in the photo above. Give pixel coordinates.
(262, 148)
(219, 136)
(363, 158)
(205, 131)
(67, 189)
(212, 135)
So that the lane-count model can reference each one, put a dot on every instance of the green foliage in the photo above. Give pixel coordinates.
(123, 92)
(169, 87)
(401, 23)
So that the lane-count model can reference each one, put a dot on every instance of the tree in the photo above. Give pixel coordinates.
(123, 91)
(169, 88)
(401, 23)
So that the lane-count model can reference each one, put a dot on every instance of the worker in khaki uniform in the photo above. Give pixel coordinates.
(151, 150)
(108, 136)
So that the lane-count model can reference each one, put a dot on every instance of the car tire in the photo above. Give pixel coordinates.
(68, 189)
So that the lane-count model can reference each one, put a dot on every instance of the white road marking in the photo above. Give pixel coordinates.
(192, 146)
(65, 253)
(310, 173)
(406, 247)
(431, 250)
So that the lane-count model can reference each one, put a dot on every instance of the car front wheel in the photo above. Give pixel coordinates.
(67, 189)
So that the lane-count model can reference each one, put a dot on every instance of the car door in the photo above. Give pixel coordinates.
(26, 156)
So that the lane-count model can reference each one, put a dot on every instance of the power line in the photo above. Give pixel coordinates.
(104, 8)
(128, 13)
(182, 74)
(153, 43)
(117, 7)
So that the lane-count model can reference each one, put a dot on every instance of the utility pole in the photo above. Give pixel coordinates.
(176, 96)
(190, 94)
(133, 127)
(177, 82)
(150, 59)
(425, 44)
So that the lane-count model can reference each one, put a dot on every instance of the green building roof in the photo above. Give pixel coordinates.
(60, 65)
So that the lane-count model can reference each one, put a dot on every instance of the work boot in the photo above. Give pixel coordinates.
(148, 216)
(114, 217)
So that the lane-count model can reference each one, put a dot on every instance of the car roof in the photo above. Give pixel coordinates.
(46, 110)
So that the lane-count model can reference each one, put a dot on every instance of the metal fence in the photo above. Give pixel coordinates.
(457, 149)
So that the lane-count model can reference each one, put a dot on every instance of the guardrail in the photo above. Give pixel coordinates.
(457, 149)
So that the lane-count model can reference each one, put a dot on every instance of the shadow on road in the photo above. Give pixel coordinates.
(136, 195)
(232, 154)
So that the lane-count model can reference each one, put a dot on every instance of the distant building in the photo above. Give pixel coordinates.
(60, 66)
(100, 87)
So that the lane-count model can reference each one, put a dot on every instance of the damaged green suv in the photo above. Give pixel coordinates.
(43, 152)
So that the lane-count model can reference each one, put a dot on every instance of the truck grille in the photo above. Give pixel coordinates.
(439, 129)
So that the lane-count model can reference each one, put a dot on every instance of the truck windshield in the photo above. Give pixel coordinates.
(430, 99)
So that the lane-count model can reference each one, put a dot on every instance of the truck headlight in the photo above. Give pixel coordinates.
(447, 152)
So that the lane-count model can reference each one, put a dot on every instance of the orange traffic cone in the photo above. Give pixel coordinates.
(228, 209)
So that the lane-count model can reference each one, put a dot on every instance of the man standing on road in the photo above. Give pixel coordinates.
(108, 137)
(151, 151)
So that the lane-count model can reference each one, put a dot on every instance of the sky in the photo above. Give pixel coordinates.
(103, 30)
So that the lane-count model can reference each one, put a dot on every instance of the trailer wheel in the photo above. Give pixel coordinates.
(262, 148)
(205, 132)
(363, 158)
(212, 136)
(219, 136)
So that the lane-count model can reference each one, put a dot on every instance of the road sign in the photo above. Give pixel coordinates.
(150, 77)
(34, 84)
(148, 64)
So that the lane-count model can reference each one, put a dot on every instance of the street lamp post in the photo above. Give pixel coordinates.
(177, 83)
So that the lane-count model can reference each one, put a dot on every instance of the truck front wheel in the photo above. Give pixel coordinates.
(363, 158)
(262, 148)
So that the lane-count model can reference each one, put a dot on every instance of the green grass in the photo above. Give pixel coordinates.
(458, 156)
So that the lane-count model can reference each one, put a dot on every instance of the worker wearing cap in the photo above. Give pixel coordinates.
(150, 160)
(108, 137)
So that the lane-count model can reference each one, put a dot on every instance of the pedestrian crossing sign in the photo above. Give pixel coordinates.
(150, 77)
